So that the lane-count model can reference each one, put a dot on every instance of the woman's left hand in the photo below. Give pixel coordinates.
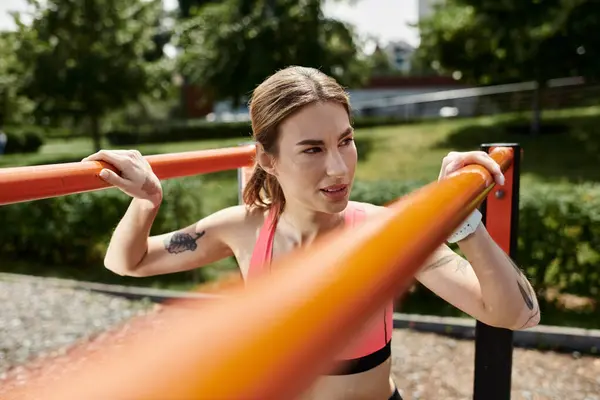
(455, 161)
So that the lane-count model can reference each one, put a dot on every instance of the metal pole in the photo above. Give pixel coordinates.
(494, 346)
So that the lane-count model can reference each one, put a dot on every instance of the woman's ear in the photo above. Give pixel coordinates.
(265, 160)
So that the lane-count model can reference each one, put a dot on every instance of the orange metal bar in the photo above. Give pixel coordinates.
(272, 339)
(20, 184)
(498, 219)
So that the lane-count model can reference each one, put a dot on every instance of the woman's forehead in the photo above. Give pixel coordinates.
(318, 121)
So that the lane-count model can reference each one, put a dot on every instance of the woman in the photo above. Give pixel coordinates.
(306, 159)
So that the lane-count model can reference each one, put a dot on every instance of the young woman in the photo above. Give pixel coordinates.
(306, 159)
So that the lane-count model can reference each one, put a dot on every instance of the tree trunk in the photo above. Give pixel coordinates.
(536, 117)
(95, 127)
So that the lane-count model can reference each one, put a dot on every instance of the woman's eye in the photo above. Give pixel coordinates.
(347, 141)
(312, 150)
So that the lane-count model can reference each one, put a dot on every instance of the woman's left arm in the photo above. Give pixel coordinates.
(487, 284)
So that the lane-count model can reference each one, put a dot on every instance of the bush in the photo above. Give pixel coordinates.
(22, 141)
(200, 129)
(382, 192)
(559, 237)
(193, 130)
(72, 232)
(559, 232)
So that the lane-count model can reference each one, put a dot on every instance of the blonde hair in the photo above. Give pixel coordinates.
(274, 100)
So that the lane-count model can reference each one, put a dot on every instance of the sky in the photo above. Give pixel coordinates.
(385, 19)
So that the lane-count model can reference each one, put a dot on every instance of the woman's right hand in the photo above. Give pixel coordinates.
(136, 177)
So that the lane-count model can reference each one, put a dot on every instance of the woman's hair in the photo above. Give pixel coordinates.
(274, 100)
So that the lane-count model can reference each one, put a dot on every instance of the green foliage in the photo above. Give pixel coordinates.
(200, 129)
(86, 58)
(232, 45)
(492, 42)
(186, 7)
(179, 132)
(559, 232)
(13, 107)
(73, 231)
(382, 192)
(559, 244)
(23, 141)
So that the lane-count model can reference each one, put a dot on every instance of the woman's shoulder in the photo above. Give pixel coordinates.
(239, 216)
(368, 208)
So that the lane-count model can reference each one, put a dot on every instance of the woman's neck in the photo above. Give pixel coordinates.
(305, 225)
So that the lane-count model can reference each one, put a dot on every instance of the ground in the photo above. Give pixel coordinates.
(37, 320)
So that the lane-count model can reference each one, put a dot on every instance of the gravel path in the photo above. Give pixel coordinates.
(37, 320)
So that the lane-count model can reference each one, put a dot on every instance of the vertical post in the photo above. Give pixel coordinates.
(243, 175)
(494, 346)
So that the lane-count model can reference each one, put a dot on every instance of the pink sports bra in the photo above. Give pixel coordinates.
(373, 345)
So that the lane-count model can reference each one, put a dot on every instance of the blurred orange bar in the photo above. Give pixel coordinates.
(20, 184)
(275, 337)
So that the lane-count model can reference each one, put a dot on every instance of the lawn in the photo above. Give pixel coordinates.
(567, 151)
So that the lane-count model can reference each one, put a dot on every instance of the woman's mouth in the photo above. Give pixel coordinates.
(335, 192)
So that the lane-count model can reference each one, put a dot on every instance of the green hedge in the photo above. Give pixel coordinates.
(22, 140)
(559, 244)
(69, 235)
(195, 130)
(559, 232)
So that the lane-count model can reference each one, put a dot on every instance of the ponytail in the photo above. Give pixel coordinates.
(263, 191)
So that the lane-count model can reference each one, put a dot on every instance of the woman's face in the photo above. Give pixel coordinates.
(317, 158)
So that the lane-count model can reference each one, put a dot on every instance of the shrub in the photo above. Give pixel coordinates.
(200, 129)
(559, 232)
(558, 247)
(72, 232)
(22, 141)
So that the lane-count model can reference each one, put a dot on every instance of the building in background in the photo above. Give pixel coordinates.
(399, 54)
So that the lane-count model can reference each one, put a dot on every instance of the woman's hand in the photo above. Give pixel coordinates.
(455, 161)
(136, 177)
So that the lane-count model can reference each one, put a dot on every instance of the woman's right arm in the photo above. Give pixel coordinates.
(131, 251)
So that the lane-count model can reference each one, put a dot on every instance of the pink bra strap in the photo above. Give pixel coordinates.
(263, 251)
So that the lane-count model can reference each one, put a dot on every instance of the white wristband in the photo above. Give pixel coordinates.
(467, 228)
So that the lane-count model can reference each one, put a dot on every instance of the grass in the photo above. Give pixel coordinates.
(415, 151)
(567, 151)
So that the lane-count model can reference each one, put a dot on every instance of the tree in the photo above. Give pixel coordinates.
(12, 106)
(232, 45)
(380, 63)
(86, 58)
(186, 7)
(491, 41)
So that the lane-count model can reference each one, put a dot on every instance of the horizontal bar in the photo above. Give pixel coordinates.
(455, 94)
(273, 338)
(19, 184)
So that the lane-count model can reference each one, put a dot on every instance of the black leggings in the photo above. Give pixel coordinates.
(395, 395)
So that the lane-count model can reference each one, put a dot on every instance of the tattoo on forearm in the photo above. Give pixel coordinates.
(460, 262)
(526, 291)
(180, 242)
(530, 318)
(527, 298)
(442, 261)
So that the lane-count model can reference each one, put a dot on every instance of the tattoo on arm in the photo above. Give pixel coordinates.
(530, 318)
(461, 263)
(527, 298)
(526, 291)
(180, 242)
